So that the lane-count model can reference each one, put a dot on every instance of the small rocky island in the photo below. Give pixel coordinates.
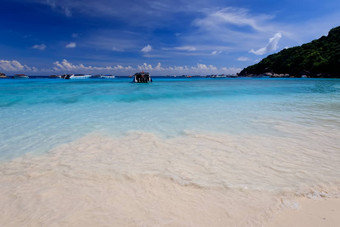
(319, 58)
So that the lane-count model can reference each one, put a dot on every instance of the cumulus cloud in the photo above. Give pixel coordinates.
(243, 59)
(65, 65)
(39, 47)
(158, 69)
(146, 49)
(71, 45)
(271, 45)
(15, 66)
(198, 69)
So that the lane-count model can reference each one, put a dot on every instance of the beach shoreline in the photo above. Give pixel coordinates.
(96, 181)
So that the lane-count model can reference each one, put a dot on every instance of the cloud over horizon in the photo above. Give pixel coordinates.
(15, 66)
(65, 66)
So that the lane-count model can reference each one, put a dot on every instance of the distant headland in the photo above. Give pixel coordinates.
(319, 58)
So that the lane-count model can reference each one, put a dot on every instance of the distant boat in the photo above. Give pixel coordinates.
(66, 76)
(103, 77)
(75, 76)
(108, 76)
(3, 75)
(80, 76)
(142, 78)
(54, 76)
(20, 76)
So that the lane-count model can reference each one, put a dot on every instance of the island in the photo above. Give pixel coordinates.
(319, 58)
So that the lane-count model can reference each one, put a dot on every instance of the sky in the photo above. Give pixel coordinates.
(164, 37)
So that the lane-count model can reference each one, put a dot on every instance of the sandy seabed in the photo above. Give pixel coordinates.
(141, 179)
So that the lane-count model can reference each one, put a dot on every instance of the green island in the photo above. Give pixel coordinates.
(319, 58)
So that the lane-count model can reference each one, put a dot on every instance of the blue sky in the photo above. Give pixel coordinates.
(169, 37)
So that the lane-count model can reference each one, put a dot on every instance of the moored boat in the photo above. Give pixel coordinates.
(54, 76)
(80, 76)
(20, 76)
(66, 76)
(108, 77)
(3, 75)
(142, 77)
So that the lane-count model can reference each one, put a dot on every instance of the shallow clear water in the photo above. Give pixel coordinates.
(227, 151)
(38, 114)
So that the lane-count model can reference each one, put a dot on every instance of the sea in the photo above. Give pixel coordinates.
(174, 152)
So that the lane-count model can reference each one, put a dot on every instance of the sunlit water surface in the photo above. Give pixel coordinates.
(224, 143)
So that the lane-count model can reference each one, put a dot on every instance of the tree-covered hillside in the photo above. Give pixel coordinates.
(319, 58)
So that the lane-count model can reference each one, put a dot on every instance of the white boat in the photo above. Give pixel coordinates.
(103, 76)
(108, 76)
(80, 76)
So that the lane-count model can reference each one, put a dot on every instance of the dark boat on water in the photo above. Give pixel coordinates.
(142, 77)
(3, 75)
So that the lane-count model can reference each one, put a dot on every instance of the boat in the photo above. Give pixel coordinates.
(96, 76)
(54, 76)
(80, 76)
(108, 77)
(142, 77)
(103, 77)
(3, 75)
(66, 76)
(20, 76)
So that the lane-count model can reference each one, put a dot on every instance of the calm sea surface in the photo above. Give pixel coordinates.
(38, 114)
(228, 152)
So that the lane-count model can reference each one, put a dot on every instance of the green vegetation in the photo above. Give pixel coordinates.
(319, 58)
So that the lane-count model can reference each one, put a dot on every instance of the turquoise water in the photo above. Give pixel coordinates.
(39, 114)
(112, 153)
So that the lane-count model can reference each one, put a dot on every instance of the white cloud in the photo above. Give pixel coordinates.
(60, 7)
(243, 59)
(271, 45)
(198, 69)
(187, 48)
(39, 47)
(146, 49)
(232, 16)
(71, 45)
(117, 49)
(15, 66)
(65, 65)
(216, 52)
